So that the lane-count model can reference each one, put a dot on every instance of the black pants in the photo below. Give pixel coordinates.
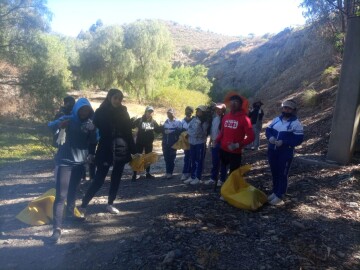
(67, 180)
(231, 159)
(100, 175)
(140, 148)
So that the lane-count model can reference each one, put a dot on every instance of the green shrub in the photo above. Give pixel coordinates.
(310, 98)
(179, 98)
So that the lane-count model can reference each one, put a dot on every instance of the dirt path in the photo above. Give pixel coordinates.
(165, 224)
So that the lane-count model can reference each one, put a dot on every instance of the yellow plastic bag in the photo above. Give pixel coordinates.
(40, 210)
(237, 192)
(182, 142)
(143, 161)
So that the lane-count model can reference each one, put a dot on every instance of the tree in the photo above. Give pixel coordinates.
(151, 46)
(331, 12)
(48, 77)
(19, 21)
(105, 61)
(190, 78)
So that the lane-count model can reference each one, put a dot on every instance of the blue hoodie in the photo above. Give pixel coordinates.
(80, 141)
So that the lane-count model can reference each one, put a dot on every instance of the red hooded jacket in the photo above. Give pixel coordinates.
(235, 128)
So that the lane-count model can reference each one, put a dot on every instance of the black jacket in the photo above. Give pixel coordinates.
(146, 130)
(112, 123)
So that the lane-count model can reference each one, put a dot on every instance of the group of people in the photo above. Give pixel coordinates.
(104, 138)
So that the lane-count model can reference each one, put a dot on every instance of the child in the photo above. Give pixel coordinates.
(220, 109)
(171, 132)
(145, 136)
(197, 138)
(185, 126)
(72, 154)
(115, 147)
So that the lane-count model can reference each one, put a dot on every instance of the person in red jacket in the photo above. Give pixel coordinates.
(236, 132)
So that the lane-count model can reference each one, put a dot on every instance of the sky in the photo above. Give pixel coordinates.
(227, 17)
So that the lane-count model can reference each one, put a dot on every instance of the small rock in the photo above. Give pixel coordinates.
(352, 204)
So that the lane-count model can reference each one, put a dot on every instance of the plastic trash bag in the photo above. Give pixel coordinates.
(182, 142)
(141, 161)
(237, 192)
(40, 210)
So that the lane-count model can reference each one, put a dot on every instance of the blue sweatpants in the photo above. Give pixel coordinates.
(169, 157)
(187, 162)
(280, 161)
(197, 155)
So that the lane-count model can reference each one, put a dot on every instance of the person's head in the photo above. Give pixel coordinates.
(149, 111)
(288, 108)
(220, 108)
(113, 98)
(171, 113)
(257, 104)
(200, 111)
(189, 111)
(84, 112)
(69, 103)
(235, 103)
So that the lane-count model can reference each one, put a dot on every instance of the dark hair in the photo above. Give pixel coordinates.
(112, 92)
(189, 108)
(70, 100)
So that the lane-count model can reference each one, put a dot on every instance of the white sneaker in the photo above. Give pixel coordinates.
(184, 176)
(276, 201)
(220, 183)
(168, 175)
(187, 181)
(111, 209)
(195, 181)
(222, 198)
(209, 182)
(271, 197)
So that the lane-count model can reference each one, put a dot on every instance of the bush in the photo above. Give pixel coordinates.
(179, 98)
(310, 98)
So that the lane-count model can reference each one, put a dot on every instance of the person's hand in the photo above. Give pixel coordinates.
(233, 146)
(278, 143)
(89, 125)
(64, 124)
(135, 156)
(272, 140)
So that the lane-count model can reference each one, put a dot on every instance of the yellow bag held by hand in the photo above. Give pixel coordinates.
(142, 161)
(182, 142)
(237, 192)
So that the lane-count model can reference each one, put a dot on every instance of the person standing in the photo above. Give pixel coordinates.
(72, 154)
(236, 132)
(185, 126)
(197, 139)
(256, 115)
(220, 109)
(284, 133)
(115, 147)
(171, 132)
(147, 127)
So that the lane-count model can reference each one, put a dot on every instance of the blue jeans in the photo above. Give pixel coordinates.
(197, 155)
(215, 158)
(169, 157)
(280, 162)
(187, 162)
